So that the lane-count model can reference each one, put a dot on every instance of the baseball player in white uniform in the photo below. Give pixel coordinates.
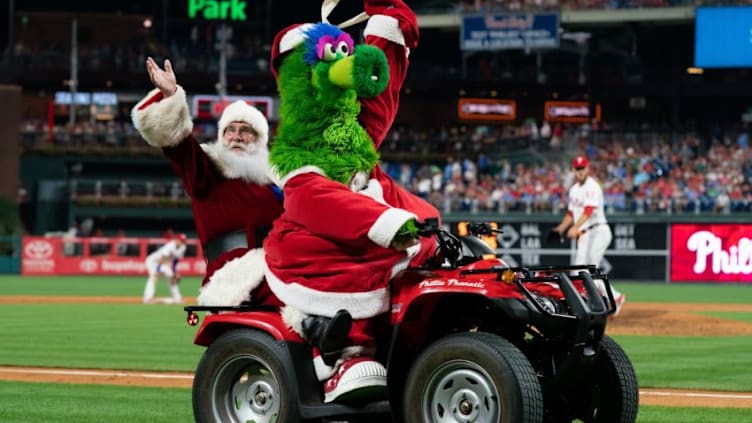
(164, 261)
(586, 222)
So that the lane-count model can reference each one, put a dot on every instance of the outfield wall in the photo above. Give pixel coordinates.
(642, 249)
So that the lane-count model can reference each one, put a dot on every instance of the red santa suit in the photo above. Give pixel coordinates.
(330, 248)
(224, 199)
(393, 28)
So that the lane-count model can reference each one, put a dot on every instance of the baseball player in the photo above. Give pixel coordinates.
(164, 261)
(585, 222)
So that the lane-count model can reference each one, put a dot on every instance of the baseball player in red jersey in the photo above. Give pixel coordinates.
(585, 221)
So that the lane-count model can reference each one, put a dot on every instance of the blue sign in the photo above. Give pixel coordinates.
(723, 37)
(510, 31)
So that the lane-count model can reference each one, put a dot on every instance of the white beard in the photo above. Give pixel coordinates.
(251, 165)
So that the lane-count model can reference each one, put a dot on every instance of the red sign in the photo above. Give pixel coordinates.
(98, 256)
(570, 111)
(711, 253)
(488, 109)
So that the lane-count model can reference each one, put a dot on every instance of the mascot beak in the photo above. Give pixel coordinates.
(341, 72)
(366, 71)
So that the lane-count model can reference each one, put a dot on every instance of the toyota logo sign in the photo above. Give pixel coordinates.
(88, 265)
(38, 250)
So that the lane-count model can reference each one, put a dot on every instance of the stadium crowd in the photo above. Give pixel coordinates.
(500, 168)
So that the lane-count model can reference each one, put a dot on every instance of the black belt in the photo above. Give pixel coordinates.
(232, 240)
(593, 226)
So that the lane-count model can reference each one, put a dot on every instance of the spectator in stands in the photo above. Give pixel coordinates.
(233, 198)
(164, 261)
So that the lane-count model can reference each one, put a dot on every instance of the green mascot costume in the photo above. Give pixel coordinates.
(347, 228)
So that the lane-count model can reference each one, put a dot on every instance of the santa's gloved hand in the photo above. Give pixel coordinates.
(406, 236)
(397, 9)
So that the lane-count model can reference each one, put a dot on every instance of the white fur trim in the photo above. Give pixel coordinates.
(359, 181)
(324, 372)
(411, 251)
(293, 37)
(300, 171)
(386, 27)
(293, 318)
(382, 232)
(232, 283)
(163, 123)
(361, 305)
(240, 111)
(374, 190)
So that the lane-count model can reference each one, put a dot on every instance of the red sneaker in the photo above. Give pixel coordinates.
(357, 378)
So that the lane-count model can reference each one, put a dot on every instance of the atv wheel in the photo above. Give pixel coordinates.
(613, 395)
(245, 376)
(472, 377)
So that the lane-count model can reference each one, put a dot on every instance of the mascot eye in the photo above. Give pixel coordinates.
(329, 52)
(343, 48)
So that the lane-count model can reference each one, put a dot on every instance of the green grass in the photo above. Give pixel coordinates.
(653, 414)
(62, 403)
(25, 402)
(686, 293)
(113, 336)
(119, 286)
(715, 363)
(156, 337)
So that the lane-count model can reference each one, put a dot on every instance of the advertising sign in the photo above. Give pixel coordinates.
(524, 244)
(711, 252)
(486, 109)
(510, 31)
(98, 256)
(570, 111)
(211, 106)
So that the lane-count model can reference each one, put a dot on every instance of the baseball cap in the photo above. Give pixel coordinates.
(580, 162)
(181, 237)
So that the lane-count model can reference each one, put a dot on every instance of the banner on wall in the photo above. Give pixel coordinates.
(99, 256)
(509, 31)
(638, 251)
(711, 253)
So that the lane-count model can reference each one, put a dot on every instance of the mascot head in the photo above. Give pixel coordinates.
(321, 73)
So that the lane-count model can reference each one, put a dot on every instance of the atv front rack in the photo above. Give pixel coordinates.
(560, 275)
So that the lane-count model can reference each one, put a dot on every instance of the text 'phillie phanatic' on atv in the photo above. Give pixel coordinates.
(468, 339)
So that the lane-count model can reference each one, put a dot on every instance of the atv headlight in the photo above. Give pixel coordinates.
(548, 304)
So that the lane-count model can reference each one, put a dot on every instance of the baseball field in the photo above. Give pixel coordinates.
(84, 349)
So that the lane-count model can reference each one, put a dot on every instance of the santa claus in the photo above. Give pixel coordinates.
(234, 202)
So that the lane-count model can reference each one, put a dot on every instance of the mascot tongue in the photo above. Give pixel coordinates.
(320, 76)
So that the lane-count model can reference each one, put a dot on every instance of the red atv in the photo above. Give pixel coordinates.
(469, 340)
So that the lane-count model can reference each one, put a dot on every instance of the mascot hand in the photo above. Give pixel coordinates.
(406, 237)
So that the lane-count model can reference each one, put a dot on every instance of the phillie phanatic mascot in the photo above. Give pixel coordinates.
(347, 228)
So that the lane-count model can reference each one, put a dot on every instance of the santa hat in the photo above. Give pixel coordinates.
(294, 35)
(240, 111)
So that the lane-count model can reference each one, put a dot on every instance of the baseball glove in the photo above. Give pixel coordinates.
(553, 237)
